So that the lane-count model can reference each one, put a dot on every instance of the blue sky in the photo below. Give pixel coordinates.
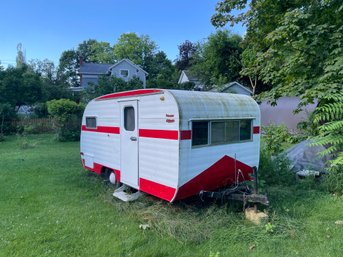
(47, 28)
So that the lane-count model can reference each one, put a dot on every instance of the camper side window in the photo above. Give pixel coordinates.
(199, 133)
(91, 122)
(245, 130)
(129, 118)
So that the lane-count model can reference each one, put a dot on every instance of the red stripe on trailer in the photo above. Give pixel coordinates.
(164, 192)
(185, 134)
(155, 133)
(256, 130)
(220, 174)
(102, 129)
(138, 92)
(97, 168)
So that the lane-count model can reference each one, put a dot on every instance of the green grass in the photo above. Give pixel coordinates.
(50, 206)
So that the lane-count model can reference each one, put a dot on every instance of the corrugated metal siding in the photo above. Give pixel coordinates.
(211, 106)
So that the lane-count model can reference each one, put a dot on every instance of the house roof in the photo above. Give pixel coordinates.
(94, 68)
(231, 84)
(190, 78)
(131, 63)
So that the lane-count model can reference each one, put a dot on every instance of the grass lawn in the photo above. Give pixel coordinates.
(50, 206)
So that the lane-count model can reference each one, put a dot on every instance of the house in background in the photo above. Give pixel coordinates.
(232, 87)
(187, 77)
(124, 69)
(236, 88)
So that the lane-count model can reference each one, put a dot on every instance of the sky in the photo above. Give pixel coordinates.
(46, 28)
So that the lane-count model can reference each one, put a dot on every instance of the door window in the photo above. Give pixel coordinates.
(129, 118)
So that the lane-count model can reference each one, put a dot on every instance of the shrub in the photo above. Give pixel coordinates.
(66, 116)
(275, 170)
(274, 137)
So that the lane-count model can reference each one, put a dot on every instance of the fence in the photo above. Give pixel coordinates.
(34, 125)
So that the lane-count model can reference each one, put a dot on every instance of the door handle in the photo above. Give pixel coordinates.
(133, 138)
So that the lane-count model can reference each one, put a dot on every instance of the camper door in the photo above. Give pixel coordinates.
(129, 143)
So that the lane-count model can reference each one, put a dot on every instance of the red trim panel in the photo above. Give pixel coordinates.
(102, 129)
(129, 93)
(97, 167)
(256, 130)
(155, 133)
(164, 192)
(185, 134)
(220, 174)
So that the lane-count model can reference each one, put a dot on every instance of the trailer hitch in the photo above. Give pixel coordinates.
(239, 192)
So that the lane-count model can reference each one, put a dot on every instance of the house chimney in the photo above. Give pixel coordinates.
(81, 60)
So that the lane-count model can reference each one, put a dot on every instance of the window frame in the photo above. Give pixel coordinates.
(128, 73)
(208, 134)
(134, 118)
(96, 122)
(209, 131)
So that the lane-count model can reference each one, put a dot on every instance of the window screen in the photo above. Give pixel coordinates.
(129, 118)
(91, 122)
(232, 131)
(200, 133)
(245, 130)
(217, 132)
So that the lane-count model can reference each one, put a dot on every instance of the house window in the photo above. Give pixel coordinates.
(124, 73)
(91, 122)
(129, 118)
(221, 132)
(199, 133)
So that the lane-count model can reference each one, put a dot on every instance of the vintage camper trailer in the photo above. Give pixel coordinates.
(172, 143)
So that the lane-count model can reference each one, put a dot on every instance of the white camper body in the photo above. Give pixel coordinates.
(171, 143)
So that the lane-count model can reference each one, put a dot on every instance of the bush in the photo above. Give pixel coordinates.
(275, 170)
(274, 137)
(333, 182)
(67, 117)
(7, 114)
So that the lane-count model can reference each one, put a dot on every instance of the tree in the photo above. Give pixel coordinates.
(186, 52)
(136, 48)
(20, 59)
(93, 51)
(298, 50)
(110, 84)
(161, 71)
(67, 69)
(218, 62)
(20, 86)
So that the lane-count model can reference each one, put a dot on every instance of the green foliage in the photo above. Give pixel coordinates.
(333, 181)
(136, 48)
(7, 114)
(218, 60)
(329, 117)
(67, 118)
(110, 84)
(162, 73)
(98, 52)
(274, 137)
(274, 170)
